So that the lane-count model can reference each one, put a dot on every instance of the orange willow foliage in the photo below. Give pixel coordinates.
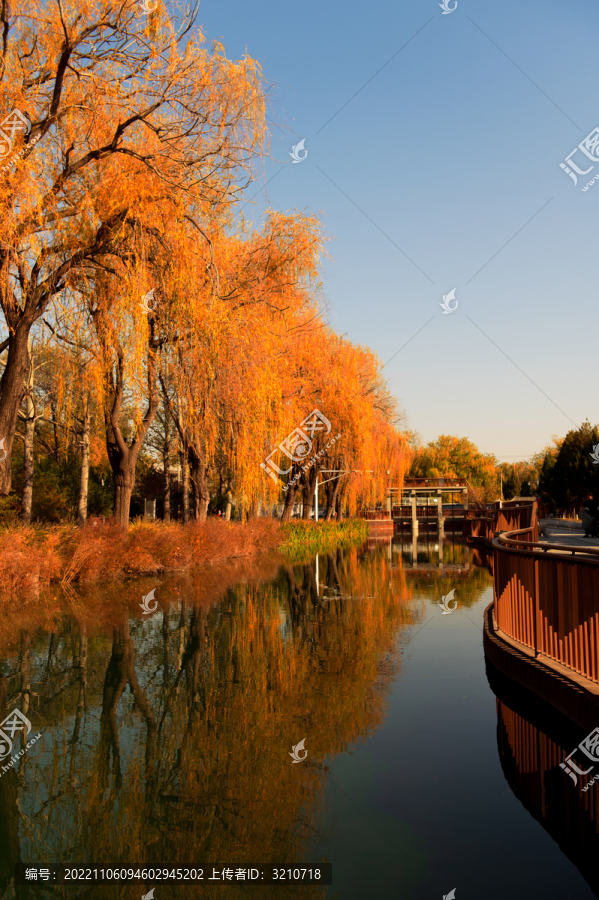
(126, 110)
(145, 139)
(345, 383)
(233, 335)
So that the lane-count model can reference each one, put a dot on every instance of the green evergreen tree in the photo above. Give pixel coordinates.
(573, 476)
(511, 487)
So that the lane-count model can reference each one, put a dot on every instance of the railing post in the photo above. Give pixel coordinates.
(536, 607)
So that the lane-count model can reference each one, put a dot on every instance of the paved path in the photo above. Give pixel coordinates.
(569, 537)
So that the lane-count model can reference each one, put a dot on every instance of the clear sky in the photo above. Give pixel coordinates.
(434, 143)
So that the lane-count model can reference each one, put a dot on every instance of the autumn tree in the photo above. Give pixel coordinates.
(456, 457)
(364, 447)
(249, 290)
(124, 109)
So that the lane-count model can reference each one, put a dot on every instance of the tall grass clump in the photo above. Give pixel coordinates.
(303, 539)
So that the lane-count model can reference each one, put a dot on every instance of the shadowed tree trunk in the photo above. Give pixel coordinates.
(289, 502)
(167, 447)
(309, 488)
(199, 483)
(12, 383)
(340, 503)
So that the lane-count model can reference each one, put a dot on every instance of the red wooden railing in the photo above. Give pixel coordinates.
(504, 519)
(547, 598)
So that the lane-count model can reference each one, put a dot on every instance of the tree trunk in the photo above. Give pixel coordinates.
(195, 496)
(166, 460)
(27, 499)
(229, 504)
(54, 408)
(28, 458)
(309, 489)
(121, 455)
(84, 481)
(12, 388)
(332, 498)
(339, 506)
(199, 481)
(289, 502)
(167, 490)
(185, 479)
(124, 482)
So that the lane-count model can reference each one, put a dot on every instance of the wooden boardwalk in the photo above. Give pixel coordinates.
(542, 628)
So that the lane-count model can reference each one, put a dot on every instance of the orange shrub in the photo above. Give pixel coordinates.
(31, 556)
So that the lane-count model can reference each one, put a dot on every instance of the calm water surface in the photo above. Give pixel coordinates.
(166, 738)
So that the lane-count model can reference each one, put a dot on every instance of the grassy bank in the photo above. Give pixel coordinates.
(33, 556)
(303, 539)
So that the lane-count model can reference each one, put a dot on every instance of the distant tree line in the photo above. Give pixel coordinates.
(561, 475)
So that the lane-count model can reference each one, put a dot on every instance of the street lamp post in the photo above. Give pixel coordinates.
(339, 473)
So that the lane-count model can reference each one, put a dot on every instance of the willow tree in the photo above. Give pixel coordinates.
(365, 451)
(114, 109)
(247, 296)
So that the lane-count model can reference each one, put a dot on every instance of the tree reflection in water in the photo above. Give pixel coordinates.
(166, 739)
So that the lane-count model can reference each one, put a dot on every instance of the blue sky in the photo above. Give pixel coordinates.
(443, 172)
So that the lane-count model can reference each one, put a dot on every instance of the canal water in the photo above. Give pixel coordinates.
(167, 737)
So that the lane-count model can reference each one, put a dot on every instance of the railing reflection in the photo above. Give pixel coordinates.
(421, 555)
(533, 738)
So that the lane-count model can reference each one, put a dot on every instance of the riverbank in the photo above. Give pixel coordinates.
(33, 556)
